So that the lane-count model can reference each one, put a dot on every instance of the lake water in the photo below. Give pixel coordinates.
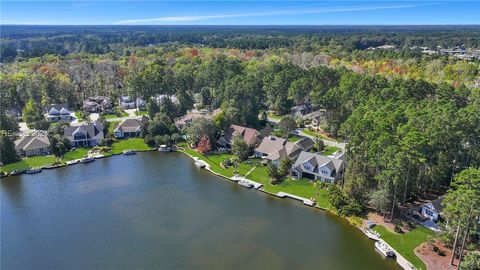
(157, 210)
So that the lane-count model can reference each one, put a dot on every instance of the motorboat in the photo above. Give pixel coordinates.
(87, 160)
(384, 249)
(164, 148)
(128, 152)
(200, 164)
(245, 183)
(17, 172)
(72, 162)
(33, 170)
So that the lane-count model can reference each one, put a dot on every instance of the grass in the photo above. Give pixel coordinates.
(139, 113)
(303, 187)
(37, 161)
(129, 144)
(78, 116)
(214, 161)
(111, 126)
(406, 243)
(313, 133)
(274, 116)
(76, 154)
(293, 138)
(329, 150)
(112, 115)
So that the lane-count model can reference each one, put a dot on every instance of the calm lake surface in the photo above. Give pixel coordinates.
(157, 210)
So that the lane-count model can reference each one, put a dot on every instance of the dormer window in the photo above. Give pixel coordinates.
(307, 167)
(325, 172)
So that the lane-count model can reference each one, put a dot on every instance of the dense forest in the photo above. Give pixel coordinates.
(412, 121)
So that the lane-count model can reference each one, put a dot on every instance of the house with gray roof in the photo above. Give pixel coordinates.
(130, 127)
(58, 112)
(317, 167)
(126, 102)
(84, 135)
(33, 145)
(272, 149)
(249, 135)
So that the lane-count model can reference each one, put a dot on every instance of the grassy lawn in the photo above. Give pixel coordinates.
(214, 161)
(302, 187)
(76, 154)
(329, 150)
(112, 115)
(129, 144)
(405, 243)
(111, 126)
(293, 138)
(139, 113)
(25, 163)
(274, 116)
(313, 133)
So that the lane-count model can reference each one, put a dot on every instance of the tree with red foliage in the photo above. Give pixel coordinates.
(193, 52)
(204, 146)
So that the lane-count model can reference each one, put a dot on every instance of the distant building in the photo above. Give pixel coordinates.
(130, 127)
(140, 102)
(432, 209)
(58, 112)
(159, 98)
(33, 145)
(302, 109)
(97, 104)
(317, 167)
(84, 135)
(126, 102)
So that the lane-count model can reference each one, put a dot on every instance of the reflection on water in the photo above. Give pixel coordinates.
(157, 210)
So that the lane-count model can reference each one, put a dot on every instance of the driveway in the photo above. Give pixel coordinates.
(340, 145)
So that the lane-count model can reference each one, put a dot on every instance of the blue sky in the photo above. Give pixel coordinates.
(240, 12)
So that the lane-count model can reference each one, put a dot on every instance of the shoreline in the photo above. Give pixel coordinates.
(401, 261)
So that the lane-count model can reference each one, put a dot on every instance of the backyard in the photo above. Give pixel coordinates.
(129, 144)
(329, 150)
(37, 161)
(112, 115)
(405, 243)
(303, 187)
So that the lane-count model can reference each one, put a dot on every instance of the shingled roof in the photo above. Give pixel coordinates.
(32, 142)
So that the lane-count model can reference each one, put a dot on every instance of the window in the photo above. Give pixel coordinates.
(307, 167)
(324, 172)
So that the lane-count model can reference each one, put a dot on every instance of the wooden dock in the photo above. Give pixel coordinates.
(305, 201)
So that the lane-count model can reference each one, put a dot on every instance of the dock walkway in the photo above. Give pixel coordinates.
(305, 201)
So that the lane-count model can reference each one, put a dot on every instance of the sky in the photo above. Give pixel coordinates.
(110, 12)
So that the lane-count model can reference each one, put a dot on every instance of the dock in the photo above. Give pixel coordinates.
(256, 185)
(305, 201)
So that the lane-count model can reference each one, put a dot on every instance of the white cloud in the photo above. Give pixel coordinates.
(257, 14)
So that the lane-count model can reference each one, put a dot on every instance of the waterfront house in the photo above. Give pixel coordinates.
(126, 102)
(97, 104)
(130, 127)
(249, 135)
(432, 210)
(84, 135)
(272, 149)
(317, 167)
(33, 145)
(58, 112)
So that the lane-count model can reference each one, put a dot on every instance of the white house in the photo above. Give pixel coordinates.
(126, 102)
(317, 167)
(58, 112)
(85, 135)
(432, 209)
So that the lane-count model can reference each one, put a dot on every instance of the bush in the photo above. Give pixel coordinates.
(107, 142)
(398, 229)
(441, 253)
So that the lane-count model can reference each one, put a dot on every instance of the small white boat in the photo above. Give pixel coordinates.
(33, 170)
(72, 162)
(200, 164)
(244, 183)
(87, 160)
(371, 234)
(384, 249)
(128, 152)
(164, 148)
